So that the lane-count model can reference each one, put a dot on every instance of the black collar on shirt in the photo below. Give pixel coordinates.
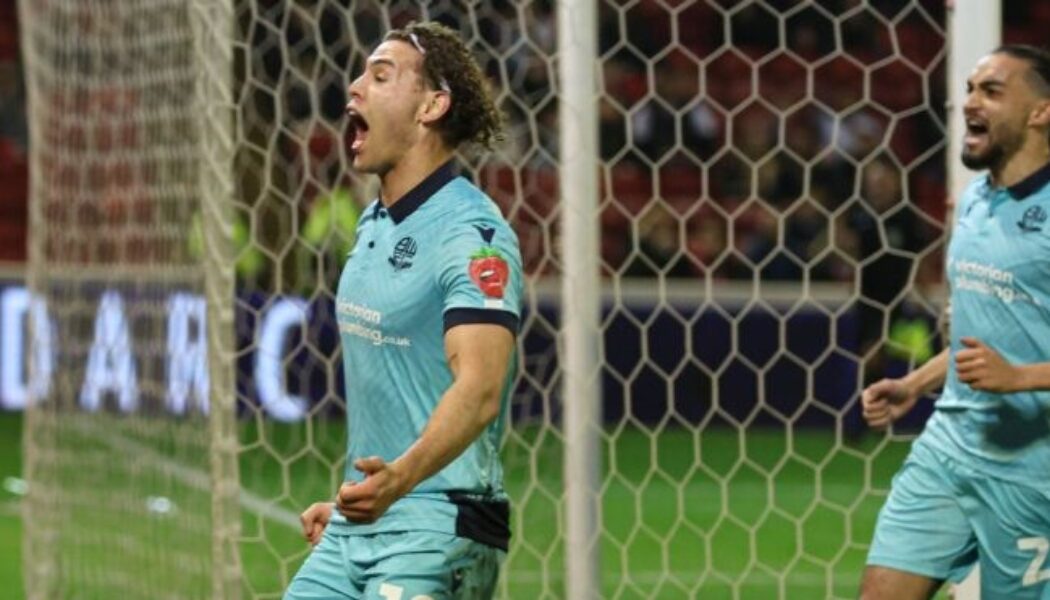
(1029, 185)
(415, 197)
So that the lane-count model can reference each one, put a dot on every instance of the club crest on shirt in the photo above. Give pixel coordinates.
(404, 250)
(1032, 220)
(489, 272)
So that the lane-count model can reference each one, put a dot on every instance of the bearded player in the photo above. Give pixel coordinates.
(975, 488)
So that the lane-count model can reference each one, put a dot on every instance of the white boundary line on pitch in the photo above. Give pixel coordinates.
(200, 480)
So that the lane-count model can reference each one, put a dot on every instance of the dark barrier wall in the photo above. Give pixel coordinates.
(677, 363)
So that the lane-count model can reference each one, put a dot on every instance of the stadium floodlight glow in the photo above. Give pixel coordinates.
(16, 381)
(111, 365)
(187, 356)
(286, 314)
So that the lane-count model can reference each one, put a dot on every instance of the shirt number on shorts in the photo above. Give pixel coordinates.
(1035, 572)
(390, 591)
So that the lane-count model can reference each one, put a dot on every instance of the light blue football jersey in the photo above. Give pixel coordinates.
(441, 256)
(998, 267)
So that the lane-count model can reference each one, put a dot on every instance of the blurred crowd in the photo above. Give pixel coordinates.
(723, 156)
(14, 142)
(737, 142)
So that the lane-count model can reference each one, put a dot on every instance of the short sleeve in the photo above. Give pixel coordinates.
(480, 274)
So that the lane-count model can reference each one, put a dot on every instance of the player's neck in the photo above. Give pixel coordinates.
(1029, 159)
(415, 165)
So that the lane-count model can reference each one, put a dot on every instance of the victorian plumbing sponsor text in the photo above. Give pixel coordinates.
(348, 310)
(985, 279)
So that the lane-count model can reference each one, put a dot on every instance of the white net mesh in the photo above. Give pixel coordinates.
(771, 216)
(771, 223)
(120, 502)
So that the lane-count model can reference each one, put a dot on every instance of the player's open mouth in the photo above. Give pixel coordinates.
(976, 131)
(360, 129)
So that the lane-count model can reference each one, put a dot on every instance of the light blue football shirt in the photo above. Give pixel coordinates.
(998, 267)
(441, 256)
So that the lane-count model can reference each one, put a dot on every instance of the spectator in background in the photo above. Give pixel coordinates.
(251, 265)
(707, 241)
(14, 167)
(679, 120)
(326, 238)
(612, 134)
(660, 247)
(889, 236)
(539, 25)
(13, 128)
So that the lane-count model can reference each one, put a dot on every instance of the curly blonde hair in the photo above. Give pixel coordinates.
(448, 64)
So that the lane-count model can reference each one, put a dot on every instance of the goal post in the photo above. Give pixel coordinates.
(581, 296)
(213, 27)
(980, 24)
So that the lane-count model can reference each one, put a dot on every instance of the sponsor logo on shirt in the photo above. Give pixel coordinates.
(350, 316)
(349, 309)
(373, 335)
(987, 280)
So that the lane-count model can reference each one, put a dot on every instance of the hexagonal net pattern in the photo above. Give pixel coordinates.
(118, 449)
(771, 215)
(771, 219)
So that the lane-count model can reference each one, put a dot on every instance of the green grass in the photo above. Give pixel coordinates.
(10, 523)
(773, 513)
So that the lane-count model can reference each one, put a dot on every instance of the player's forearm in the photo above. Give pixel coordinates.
(1033, 377)
(463, 413)
(930, 376)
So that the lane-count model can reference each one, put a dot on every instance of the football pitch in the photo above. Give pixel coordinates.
(713, 514)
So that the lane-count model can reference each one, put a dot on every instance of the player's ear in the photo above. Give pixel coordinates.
(435, 106)
(1040, 115)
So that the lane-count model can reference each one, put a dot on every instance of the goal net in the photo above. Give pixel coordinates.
(129, 446)
(771, 221)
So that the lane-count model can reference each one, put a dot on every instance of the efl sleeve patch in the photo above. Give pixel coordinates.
(481, 268)
(489, 272)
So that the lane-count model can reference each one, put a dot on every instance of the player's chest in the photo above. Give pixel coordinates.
(1006, 234)
(391, 271)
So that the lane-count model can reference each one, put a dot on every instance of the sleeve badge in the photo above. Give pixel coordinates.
(489, 272)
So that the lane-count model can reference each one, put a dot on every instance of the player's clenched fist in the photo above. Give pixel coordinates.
(885, 401)
(365, 501)
(982, 368)
(314, 520)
